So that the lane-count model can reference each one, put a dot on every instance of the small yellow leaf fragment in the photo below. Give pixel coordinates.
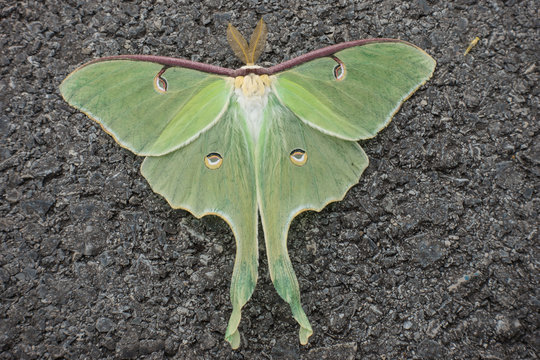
(471, 45)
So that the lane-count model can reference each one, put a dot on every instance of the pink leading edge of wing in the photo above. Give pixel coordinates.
(218, 70)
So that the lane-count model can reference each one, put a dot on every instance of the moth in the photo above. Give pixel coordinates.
(238, 143)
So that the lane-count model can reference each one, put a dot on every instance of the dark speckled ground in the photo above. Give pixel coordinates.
(95, 265)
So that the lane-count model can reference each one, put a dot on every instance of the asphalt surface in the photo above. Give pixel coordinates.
(433, 254)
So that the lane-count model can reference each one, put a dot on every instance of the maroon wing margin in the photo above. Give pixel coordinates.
(218, 70)
(170, 62)
(326, 51)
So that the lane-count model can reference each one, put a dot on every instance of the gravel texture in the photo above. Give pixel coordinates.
(434, 254)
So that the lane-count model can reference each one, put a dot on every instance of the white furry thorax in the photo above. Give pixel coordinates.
(252, 95)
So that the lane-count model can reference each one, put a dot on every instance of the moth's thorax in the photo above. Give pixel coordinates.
(252, 85)
(252, 95)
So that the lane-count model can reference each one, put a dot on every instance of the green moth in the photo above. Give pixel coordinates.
(236, 143)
